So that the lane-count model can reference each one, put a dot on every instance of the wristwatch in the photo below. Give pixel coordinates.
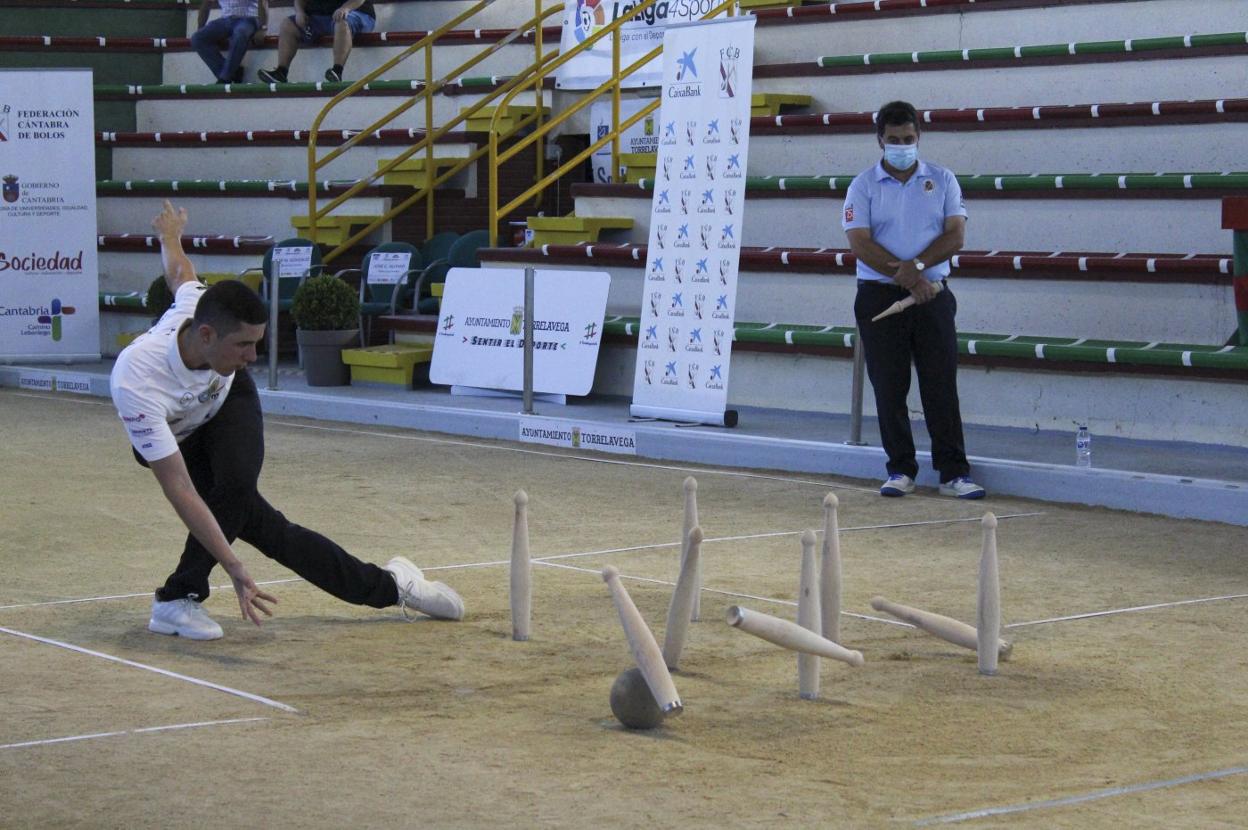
(918, 265)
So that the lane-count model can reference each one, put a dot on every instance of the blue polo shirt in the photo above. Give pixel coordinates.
(903, 218)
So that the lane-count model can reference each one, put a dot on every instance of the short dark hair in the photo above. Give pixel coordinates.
(228, 305)
(895, 114)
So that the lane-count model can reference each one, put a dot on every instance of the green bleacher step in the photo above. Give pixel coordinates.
(767, 4)
(771, 103)
(392, 365)
(482, 121)
(573, 230)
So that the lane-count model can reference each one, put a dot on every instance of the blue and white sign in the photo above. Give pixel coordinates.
(688, 303)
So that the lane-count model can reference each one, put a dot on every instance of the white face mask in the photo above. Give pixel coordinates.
(901, 156)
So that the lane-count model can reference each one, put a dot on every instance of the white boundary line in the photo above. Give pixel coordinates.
(128, 596)
(1080, 799)
(185, 678)
(170, 727)
(1126, 610)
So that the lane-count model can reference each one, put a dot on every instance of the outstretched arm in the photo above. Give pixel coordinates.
(176, 483)
(169, 226)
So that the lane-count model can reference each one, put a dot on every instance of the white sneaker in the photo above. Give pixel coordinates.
(437, 599)
(184, 617)
(962, 488)
(897, 485)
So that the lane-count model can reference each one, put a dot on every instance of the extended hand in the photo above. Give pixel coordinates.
(171, 221)
(251, 600)
(924, 290)
(906, 274)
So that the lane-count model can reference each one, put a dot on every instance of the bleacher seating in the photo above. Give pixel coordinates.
(1094, 141)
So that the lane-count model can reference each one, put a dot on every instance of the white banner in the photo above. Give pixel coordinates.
(577, 435)
(690, 291)
(642, 137)
(583, 18)
(49, 277)
(480, 340)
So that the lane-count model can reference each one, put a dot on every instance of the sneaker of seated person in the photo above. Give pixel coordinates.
(273, 76)
(184, 617)
(436, 599)
(333, 75)
(897, 485)
(962, 488)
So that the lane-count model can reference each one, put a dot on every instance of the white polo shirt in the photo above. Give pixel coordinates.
(159, 399)
(903, 218)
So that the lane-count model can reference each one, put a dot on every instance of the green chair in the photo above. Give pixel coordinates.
(437, 246)
(287, 283)
(378, 298)
(464, 253)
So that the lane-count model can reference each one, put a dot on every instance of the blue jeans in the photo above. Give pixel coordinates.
(207, 42)
(322, 25)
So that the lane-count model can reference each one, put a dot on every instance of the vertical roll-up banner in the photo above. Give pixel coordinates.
(49, 277)
(689, 295)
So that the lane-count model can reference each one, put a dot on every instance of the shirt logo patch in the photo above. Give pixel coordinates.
(849, 213)
(929, 186)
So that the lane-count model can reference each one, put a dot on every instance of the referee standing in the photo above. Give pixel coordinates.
(904, 219)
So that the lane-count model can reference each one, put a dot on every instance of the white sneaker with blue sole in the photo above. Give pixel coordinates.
(962, 488)
(897, 485)
(184, 617)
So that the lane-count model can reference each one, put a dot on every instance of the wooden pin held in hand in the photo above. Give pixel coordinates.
(521, 570)
(678, 613)
(643, 645)
(902, 304)
(988, 609)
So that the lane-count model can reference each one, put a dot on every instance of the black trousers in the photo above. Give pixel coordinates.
(925, 335)
(224, 457)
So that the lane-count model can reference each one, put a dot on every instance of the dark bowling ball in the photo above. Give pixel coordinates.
(632, 703)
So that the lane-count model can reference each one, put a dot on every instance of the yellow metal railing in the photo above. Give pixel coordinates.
(432, 134)
(614, 85)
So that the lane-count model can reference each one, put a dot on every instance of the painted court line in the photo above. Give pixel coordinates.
(1080, 799)
(1127, 610)
(144, 730)
(129, 596)
(165, 672)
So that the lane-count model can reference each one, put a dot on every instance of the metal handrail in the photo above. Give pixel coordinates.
(541, 130)
(431, 134)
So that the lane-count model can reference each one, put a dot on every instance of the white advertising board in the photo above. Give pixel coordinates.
(689, 293)
(49, 275)
(642, 137)
(480, 342)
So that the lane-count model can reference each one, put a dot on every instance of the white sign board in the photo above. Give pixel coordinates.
(689, 294)
(292, 262)
(576, 435)
(388, 267)
(583, 18)
(49, 273)
(480, 341)
(642, 137)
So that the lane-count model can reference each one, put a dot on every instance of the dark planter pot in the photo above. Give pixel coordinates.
(322, 356)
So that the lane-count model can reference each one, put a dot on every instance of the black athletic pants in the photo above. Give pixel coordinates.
(224, 457)
(924, 334)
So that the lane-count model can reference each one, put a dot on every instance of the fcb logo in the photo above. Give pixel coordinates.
(728, 58)
(849, 213)
(12, 190)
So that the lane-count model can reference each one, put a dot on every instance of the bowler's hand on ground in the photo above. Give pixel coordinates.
(251, 600)
(171, 221)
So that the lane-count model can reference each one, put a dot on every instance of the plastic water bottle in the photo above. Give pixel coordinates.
(1083, 445)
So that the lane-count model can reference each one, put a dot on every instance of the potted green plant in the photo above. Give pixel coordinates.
(326, 312)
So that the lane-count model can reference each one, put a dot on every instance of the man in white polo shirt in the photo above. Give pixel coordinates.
(193, 416)
(904, 219)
